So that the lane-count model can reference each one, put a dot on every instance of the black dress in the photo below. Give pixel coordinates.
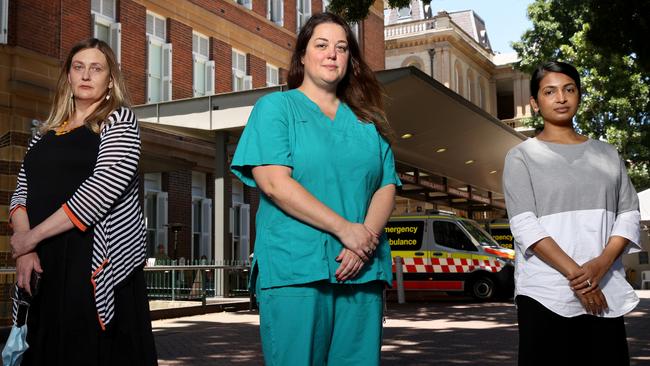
(63, 326)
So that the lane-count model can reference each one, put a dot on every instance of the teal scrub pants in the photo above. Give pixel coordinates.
(321, 323)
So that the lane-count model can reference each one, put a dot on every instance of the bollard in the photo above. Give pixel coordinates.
(399, 276)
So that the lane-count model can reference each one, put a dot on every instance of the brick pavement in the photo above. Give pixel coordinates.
(444, 332)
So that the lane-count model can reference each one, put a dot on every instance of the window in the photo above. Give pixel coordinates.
(240, 223)
(203, 67)
(240, 81)
(450, 235)
(272, 75)
(275, 11)
(470, 86)
(159, 60)
(4, 21)
(326, 4)
(155, 211)
(246, 3)
(201, 219)
(481, 94)
(303, 12)
(105, 26)
(458, 78)
(404, 12)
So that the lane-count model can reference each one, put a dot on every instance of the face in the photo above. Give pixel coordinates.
(557, 99)
(326, 56)
(89, 75)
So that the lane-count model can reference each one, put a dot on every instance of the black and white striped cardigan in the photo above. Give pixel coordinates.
(108, 201)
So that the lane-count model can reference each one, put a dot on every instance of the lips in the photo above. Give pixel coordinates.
(562, 109)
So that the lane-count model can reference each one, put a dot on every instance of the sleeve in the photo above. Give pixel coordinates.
(19, 198)
(265, 140)
(627, 212)
(520, 201)
(115, 170)
(389, 174)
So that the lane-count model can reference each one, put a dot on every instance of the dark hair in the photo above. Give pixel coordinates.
(359, 88)
(553, 66)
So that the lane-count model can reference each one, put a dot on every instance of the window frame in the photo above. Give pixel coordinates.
(270, 67)
(203, 60)
(4, 22)
(240, 73)
(166, 59)
(269, 6)
(305, 13)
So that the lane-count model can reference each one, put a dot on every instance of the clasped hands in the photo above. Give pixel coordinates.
(22, 250)
(360, 243)
(585, 283)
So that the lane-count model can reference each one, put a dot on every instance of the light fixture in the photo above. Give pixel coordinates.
(442, 149)
(470, 161)
(407, 136)
(492, 172)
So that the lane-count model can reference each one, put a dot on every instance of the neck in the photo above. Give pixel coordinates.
(82, 110)
(318, 94)
(563, 134)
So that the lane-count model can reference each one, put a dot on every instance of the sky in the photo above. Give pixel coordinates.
(505, 20)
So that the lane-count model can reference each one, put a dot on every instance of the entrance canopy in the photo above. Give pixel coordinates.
(448, 149)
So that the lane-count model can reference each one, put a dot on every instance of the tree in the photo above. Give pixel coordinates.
(615, 102)
(357, 10)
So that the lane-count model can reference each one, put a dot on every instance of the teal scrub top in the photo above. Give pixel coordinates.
(341, 162)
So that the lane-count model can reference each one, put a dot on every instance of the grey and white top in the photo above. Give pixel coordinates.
(579, 195)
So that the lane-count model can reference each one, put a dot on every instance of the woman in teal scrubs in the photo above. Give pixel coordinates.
(319, 154)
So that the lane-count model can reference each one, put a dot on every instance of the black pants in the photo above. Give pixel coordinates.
(546, 338)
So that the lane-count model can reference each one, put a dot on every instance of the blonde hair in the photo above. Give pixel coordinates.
(64, 104)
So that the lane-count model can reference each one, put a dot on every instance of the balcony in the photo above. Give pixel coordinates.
(412, 28)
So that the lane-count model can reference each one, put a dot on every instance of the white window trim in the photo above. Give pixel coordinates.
(270, 67)
(4, 22)
(326, 3)
(166, 72)
(306, 13)
(239, 73)
(248, 4)
(114, 32)
(153, 35)
(269, 3)
(102, 7)
(208, 64)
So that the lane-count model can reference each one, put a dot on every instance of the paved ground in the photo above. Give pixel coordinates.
(441, 332)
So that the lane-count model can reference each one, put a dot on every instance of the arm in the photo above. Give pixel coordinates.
(117, 162)
(381, 206)
(276, 183)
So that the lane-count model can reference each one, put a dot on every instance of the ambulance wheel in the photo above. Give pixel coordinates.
(482, 288)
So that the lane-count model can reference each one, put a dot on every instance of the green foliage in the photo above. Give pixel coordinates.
(357, 10)
(615, 104)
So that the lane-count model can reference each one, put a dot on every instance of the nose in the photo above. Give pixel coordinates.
(331, 53)
(86, 74)
(561, 96)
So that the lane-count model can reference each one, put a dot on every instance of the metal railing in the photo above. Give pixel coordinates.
(197, 281)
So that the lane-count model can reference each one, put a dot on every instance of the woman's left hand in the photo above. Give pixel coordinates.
(22, 242)
(350, 267)
(594, 270)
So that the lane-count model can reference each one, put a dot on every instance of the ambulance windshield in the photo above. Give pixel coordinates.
(479, 234)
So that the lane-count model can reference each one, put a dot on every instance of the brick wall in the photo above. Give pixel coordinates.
(256, 67)
(372, 31)
(75, 24)
(180, 36)
(37, 26)
(259, 6)
(178, 184)
(283, 75)
(242, 17)
(134, 51)
(290, 17)
(316, 6)
(221, 53)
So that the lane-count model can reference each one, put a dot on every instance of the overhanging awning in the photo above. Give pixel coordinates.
(436, 116)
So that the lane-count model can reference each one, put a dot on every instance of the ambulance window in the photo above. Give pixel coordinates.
(448, 234)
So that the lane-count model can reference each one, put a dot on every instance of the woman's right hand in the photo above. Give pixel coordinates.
(594, 301)
(358, 239)
(24, 266)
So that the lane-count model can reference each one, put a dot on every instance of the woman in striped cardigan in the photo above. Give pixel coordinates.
(77, 220)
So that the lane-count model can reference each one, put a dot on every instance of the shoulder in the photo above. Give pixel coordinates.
(122, 115)
(604, 147)
(273, 101)
(521, 149)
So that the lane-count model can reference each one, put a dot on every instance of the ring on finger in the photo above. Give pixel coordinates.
(588, 283)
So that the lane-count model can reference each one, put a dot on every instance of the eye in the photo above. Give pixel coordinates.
(96, 69)
(321, 45)
(571, 89)
(342, 48)
(77, 67)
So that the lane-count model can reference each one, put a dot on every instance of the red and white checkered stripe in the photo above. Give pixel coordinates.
(448, 265)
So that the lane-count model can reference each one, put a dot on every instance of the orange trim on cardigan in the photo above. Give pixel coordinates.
(92, 280)
(74, 218)
(11, 213)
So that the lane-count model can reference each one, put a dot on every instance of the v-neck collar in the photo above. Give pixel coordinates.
(314, 107)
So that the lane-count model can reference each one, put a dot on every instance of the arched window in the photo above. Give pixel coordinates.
(482, 102)
(470, 85)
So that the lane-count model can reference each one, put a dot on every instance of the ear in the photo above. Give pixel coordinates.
(533, 105)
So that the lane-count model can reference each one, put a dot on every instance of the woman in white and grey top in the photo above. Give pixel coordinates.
(573, 212)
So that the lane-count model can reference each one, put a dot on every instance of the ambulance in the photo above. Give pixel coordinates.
(500, 231)
(444, 252)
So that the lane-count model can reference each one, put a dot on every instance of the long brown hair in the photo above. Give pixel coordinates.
(359, 88)
(64, 104)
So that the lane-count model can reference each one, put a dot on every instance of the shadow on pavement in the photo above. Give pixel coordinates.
(442, 332)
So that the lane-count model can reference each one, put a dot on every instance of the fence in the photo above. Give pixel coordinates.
(167, 280)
